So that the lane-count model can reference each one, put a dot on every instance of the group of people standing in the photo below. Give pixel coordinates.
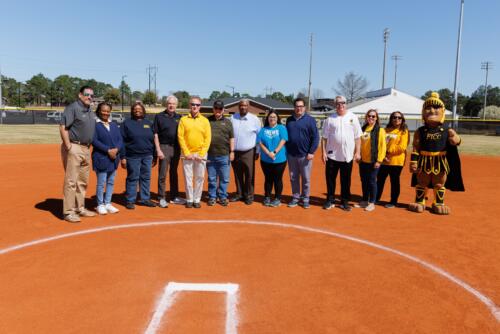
(214, 144)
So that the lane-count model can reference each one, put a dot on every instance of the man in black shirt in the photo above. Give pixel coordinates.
(168, 151)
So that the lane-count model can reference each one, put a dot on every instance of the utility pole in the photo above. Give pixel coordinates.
(396, 58)
(487, 65)
(457, 64)
(232, 87)
(310, 70)
(386, 38)
(123, 84)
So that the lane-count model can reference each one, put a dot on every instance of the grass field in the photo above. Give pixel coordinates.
(49, 134)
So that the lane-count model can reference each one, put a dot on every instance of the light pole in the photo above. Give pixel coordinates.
(310, 72)
(122, 87)
(487, 65)
(396, 58)
(457, 63)
(232, 87)
(386, 38)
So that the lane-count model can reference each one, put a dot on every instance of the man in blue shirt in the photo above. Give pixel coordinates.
(303, 140)
(246, 126)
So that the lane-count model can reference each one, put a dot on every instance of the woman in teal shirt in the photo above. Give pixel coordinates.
(271, 139)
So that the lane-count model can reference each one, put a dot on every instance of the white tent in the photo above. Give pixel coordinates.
(388, 100)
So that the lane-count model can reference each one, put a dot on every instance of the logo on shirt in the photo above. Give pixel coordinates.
(146, 126)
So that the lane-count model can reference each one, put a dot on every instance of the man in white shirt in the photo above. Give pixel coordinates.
(246, 126)
(340, 145)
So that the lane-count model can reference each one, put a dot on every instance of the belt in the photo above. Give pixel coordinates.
(79, 143)
(432, 154)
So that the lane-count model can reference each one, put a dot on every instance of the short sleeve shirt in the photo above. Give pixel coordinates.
(270, 138)
(222, 132)
(340, 133)
(79, 120)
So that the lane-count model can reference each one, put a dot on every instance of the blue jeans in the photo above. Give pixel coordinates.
(138, 170)
(368, 175)
(218, 167)
(108, 179)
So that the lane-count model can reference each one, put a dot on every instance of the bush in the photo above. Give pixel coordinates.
(492, 112)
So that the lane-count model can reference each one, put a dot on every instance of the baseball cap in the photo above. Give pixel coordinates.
(218, 104)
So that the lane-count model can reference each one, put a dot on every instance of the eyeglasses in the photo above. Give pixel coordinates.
(300, 106)
(195, 104)
(341, 103)
(372, 116)
(88, 95)
(396, 117)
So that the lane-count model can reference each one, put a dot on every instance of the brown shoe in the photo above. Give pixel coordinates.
(86, 213)
(72, 218)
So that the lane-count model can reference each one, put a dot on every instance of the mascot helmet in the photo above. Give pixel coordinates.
(434, 101)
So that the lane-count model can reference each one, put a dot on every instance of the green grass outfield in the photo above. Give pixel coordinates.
(49, 134)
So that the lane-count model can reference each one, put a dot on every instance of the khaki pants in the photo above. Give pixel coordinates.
(194, 169)
(76, 164)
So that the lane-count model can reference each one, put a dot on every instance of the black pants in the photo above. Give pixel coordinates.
(331, 171)
(394, 172)
(244, 167)
(273, 174)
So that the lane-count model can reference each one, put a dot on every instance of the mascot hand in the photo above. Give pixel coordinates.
(413, 167)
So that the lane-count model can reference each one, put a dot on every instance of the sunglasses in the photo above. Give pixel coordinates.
(215, 108)
(372, 116)
(341, 103)
(195, 104)
(88, 95)
(396, 117)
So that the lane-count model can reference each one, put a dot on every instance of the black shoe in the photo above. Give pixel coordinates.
(249, 201)
(130, 206)
(346, 207)
(189, 205)
(328, 205)
(211, 202)
(235, 198)
(224, 202)
(196, 205)
(148, 203)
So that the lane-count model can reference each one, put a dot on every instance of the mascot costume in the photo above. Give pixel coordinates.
(434, 161)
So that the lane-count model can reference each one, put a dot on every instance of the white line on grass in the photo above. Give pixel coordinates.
(494, 309)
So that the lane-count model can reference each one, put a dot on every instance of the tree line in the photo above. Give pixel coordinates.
(42, 91)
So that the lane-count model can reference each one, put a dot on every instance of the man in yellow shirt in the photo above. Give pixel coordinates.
(194, 136)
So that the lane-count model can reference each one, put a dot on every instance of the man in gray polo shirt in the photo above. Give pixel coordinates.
(77, 128)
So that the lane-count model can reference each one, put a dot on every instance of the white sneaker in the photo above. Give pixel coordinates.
(163, 203)
(111, 209)
(101, 209)
(370, 207)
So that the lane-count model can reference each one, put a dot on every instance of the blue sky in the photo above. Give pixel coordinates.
(201, 46)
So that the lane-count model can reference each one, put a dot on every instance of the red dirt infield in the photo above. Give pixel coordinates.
(293, 277)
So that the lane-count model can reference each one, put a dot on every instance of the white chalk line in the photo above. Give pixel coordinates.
(170, 293)
(494, 309)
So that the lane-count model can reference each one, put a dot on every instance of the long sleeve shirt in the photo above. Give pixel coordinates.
(397, 143)
(194, 135)
(303, 136)
(366, 153)
(138, 138)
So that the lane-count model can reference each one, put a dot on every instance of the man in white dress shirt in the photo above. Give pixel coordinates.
(340, 145)
(246, 126)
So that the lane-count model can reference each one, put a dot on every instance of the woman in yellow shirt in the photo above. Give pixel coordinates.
(397, 138)
(373, 147)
